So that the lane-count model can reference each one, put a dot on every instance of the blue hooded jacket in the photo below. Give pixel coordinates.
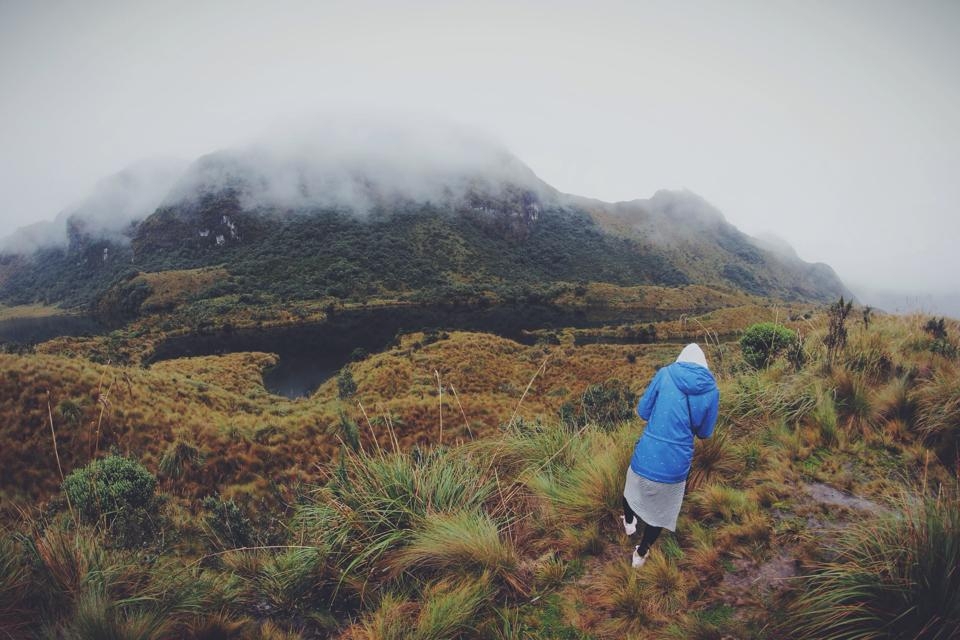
(681, 401)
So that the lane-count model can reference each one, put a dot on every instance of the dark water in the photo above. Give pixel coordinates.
(312, 353)
(34, 330)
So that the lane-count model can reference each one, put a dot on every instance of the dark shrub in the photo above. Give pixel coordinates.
(605, 404)
(229, 524)
(346, 387)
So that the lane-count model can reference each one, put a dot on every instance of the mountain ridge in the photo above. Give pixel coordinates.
(298, 227)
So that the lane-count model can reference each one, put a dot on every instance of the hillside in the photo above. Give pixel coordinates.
(285, 224)
(466, 486)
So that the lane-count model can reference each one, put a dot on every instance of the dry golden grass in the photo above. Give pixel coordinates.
(561, 534)
(29, 311)
(99, 407)
(653, 298)
(171, 288)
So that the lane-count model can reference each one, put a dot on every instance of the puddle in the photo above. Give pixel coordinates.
(825, 494)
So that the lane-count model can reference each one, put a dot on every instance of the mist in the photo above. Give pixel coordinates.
(114, 204)
(359, 161)
(833, 125)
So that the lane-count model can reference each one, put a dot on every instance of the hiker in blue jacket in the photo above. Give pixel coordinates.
(682, 401)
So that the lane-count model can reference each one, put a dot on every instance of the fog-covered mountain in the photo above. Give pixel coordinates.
(354, 211)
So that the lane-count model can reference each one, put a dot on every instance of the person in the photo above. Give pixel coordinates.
(682, 401)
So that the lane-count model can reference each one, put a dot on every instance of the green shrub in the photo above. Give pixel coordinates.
(763, 342)
(119, 493)
(346, 387)
(110, 484)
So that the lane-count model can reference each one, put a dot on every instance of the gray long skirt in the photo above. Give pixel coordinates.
(657, 503)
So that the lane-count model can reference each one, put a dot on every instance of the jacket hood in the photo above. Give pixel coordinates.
(692, 379)
(693, 353)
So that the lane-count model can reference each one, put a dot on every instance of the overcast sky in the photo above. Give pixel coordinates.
(834, 125)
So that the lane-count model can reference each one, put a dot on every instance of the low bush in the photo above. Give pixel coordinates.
(227, 523)
(119, 494)
(761, 343)
(604, 404)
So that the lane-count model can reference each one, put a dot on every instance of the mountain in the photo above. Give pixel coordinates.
(709, 250)
(425, 216)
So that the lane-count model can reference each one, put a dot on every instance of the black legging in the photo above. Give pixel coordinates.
(650, 533)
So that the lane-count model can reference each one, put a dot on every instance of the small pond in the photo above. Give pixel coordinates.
(34, 330)
(312, 353)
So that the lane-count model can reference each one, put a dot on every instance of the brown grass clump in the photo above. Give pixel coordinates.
(938, 413)
(634, 600)
(461, 542)
(713, 460)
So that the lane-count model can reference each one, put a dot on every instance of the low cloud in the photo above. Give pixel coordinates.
(332, 160)
(358, 162)
(116, 202)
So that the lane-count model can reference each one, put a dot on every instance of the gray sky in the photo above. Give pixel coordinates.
(835, 125)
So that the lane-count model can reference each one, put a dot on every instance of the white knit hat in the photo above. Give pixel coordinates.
(693, 353)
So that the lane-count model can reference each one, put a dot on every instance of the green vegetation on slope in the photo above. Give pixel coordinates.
(310, 255)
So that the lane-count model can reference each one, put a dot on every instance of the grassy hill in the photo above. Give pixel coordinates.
(465, 486)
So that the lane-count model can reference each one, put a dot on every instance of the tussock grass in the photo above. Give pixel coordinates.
(855, 400)
(460, 542)
(665, 586)
(295, 583)
(703, 556)
(14, 586)
(374, 504)
(721, 503)
(715, 623)
(179, 459)
(402, 538)
(591, 489)
(895, 400)
(67, 558)
(81, 590)
(632, 600)
(825, 419)
(752, 528)
(549, 572)
(713, 460)
(269, 630)
(445, 609)
(938, 414)
(620, 595)
(897, 577)
(96, 616)
(449, 609)
(392, 620)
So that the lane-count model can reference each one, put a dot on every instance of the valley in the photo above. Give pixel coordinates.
(279, 419)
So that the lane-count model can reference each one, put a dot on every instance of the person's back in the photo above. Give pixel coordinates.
(682, 401)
